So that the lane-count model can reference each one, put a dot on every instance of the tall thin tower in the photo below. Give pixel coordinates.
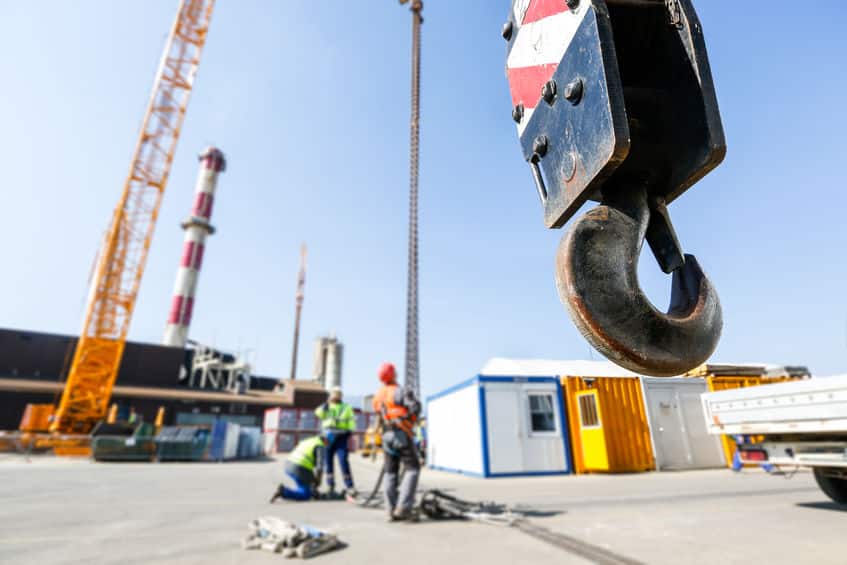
(197, 227)
(298, 297)
(412, 366)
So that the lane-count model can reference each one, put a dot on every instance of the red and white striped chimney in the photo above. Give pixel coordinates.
(196, 227)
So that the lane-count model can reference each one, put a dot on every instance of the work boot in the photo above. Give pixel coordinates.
(406, 515)
(401, 514)
(351, 495)
(389, 516)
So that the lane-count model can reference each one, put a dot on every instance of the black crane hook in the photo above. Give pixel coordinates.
(606, 302)
(614, 102)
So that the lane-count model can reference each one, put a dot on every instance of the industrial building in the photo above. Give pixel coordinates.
(150, 376)
(192, 383)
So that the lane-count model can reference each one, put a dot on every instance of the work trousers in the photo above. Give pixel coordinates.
(338, 446)
(302, 479)
(405, 499)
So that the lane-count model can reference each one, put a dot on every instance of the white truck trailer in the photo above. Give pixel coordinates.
(804, 423)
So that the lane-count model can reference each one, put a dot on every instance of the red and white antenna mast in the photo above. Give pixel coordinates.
(301, 285)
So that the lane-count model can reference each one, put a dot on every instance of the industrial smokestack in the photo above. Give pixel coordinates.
(196, 227)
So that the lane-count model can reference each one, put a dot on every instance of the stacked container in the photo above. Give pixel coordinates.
(308, 422)
(285, 427)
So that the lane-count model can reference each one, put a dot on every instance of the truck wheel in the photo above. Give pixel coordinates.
(833, 487)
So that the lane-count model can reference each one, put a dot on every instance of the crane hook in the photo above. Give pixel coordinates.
(606, 302)
(614, 101)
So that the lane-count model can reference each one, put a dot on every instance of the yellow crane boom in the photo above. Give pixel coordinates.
(121, 261)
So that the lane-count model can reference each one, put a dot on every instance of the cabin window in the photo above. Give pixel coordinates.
(588, 416)
(541, 413)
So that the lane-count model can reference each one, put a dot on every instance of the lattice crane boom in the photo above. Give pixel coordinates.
(122, 258)
(412, 370)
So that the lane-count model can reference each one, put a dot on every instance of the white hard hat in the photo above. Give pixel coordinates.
(335, 391)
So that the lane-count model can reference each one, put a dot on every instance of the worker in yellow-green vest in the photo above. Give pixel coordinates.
(337, 422)
(304, 466)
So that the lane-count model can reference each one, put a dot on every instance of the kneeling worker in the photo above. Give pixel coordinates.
(304, 466)
(337, 422)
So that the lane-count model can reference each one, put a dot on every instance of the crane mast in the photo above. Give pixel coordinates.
(412, 372)
(123, 255)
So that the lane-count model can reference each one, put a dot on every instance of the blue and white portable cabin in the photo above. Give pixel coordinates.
(499, 426)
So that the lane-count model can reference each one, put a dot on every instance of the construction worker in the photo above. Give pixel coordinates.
(398, 408)
(337, 422)
(304, 465)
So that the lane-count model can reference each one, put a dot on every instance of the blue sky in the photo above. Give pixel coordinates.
(309, 100)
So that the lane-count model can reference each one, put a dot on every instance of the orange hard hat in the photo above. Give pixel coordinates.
(387, 373)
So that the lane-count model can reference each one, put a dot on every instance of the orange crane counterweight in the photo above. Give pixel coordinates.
(121, 260)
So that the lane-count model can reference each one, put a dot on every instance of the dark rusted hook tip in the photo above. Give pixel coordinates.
(597, 279)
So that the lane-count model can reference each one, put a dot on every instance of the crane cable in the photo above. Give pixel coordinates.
(412, 367)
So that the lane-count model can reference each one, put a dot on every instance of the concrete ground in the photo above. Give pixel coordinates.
(57, 510)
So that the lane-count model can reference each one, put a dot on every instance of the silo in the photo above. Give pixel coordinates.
(328, 358)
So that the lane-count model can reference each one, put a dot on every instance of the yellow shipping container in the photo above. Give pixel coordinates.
(608, 425)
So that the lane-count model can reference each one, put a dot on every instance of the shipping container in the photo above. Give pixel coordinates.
(280, 419)
(608, 426)
(307, 421)
(680, 438)
(621, 424)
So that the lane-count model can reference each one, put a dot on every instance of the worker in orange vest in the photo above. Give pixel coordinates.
(399, 409)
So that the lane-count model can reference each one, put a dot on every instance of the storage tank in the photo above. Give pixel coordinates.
(328, 359)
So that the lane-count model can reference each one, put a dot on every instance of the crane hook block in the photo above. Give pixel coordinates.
(614, 102)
